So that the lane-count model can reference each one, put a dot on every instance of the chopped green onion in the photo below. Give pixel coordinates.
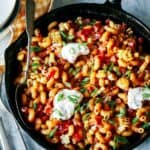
(35, 64)
(35, 48)
(121, 139)
(86, 116)
(77, 108)
(110, 67)
(76, 71)
(73, 98)
(58, 112)
(52, 132)
(64, 35)
(135, 120)
(95, 92)
(71, 70)
(116, 70)
(111, 103)
(67, 84)
(60, 97)
(85, 81)
(70, 37)
(122, 112)
(146, 125)
(64, 43)
(98, 100)
(83, 90)
(34, 106)
(146, 95)
(111, 122)
(92, 22)
(84, 106)
(128, 73)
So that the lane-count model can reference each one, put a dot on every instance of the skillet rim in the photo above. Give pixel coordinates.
(38, 21)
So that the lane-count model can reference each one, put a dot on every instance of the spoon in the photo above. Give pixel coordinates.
(30, 8)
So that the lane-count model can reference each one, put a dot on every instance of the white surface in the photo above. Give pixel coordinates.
(6, 8)
(139, 8)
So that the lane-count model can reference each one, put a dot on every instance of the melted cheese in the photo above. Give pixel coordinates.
(72, 51)
(135, 97)
(65, 103)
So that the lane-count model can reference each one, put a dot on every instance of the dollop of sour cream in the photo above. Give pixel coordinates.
(71, 51)
(136, 97)
(65, 103)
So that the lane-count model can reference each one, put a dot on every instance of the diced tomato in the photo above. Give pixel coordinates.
(98, 119)
(78, 134)
(101, 56)
(101, 31)
(63, 127)
(51, 74)
(47, 109)
(44, 118)
(86, 31)
(96, 27)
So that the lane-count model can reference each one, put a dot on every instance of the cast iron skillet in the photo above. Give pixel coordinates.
(108, 10)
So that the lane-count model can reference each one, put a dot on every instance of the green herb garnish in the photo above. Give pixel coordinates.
(116, 70)
(122, 112)
(127, 73)
(98, 100)
(35, 48)
(86, 116)
(111, 103)
(135, 120)
(73, 98)
(146, 92)
(84, 106)
(67, 84)
(64, 35)
(77, 108)
(58, 112)
(60, 97)
(146, 125)
(52, 132)
(111, 122)
(70, 37)
(95, 92)
(83, 90)
(34, 106)
(76, 71)
(120, 139)
(92, 22)
(110, 67)
(85, 81)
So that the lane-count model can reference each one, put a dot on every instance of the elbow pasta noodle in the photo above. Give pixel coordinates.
(103, 77)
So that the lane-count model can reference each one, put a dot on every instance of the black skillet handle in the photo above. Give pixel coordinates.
(114, 3)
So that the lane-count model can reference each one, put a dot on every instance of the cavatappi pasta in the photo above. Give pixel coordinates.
(115, 63)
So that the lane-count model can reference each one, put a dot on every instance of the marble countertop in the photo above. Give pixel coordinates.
(140, 9)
